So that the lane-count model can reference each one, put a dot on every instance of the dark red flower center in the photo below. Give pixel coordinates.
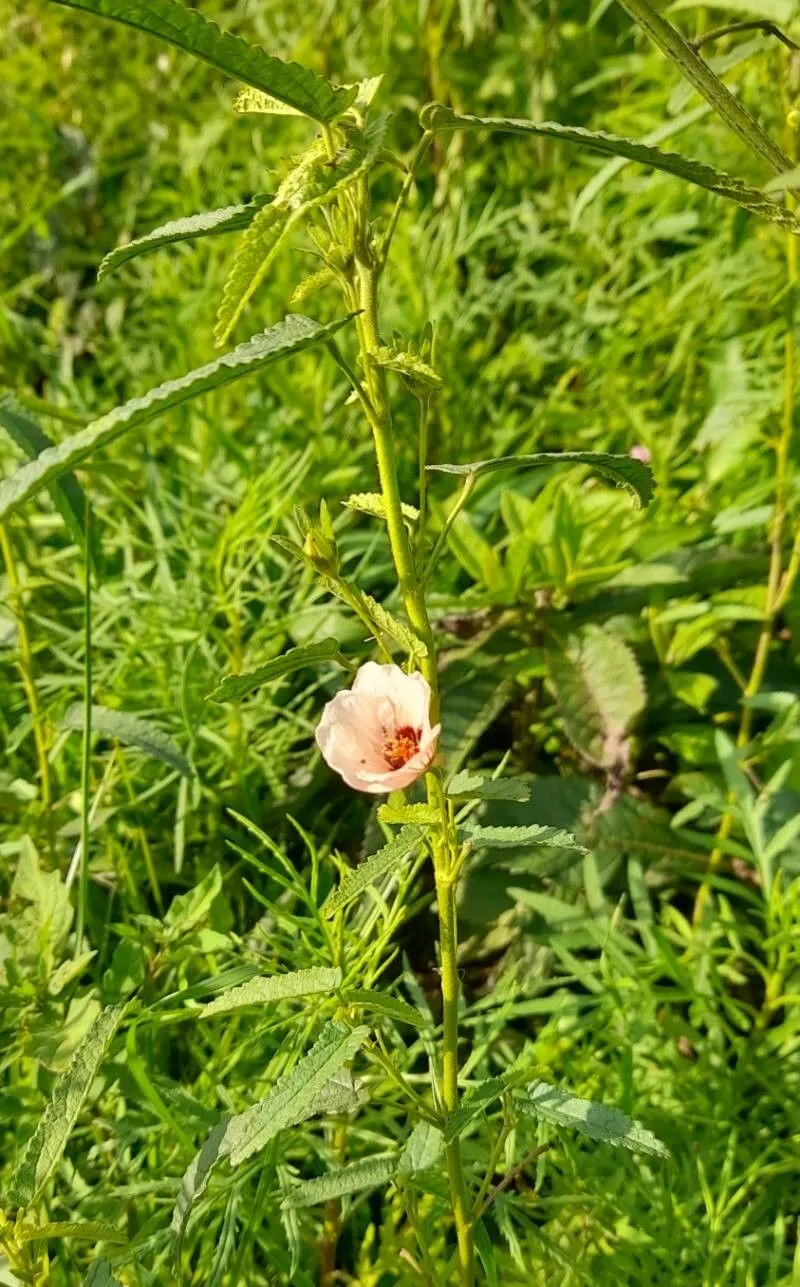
(399, 748)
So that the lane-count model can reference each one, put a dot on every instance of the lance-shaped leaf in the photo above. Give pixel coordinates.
(189, 30)
(390, 857)
(381, 1003)
(293, 334)
(279, 987)
(234, 687)
(633, 475)
(67, 493)
(600, 1122)
(46, 1146)
(439, 118)
(292, 1100)
(133, 731)
(314, 181)
(518, 837)
(191, 228)
(367, 1174)
(100, 1275)
(421, 1150)
(474, 786)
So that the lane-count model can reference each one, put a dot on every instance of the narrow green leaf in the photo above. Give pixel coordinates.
(132, 731)
(289, 1100)
(474, 786)
(386, 623)
(314, 181)
(437, 117)
(196, 1177)
(255, 100)
(518, 837)
(92, 1230)
(279, 987)
(292, 1099)
(234, 687)
(292, 335)
(189, 30)
(67, 493)
(600, 1122)
(367, 1174)
(422, 1149)
(478, 1099)
(187, 911)
(372, 503)
(633, 475)
(670, 41)
(379, 1002)
(407, 364)
(100, 1275)
(46, 1146)
(389, 858)
(423, 815)
(192, 227)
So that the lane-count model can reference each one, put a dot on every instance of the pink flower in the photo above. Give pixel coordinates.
(378, 734)
(640, 452)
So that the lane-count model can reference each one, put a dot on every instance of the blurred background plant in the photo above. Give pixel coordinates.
(579, 304)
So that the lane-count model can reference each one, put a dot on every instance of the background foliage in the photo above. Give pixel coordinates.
(579, 304)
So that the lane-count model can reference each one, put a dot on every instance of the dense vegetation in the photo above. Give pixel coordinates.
(640, 663)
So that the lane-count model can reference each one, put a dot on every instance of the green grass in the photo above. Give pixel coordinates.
(570, 314)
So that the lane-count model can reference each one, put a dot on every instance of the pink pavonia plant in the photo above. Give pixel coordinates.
(378, 735)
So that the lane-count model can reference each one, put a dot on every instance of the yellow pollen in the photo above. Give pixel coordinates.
(399, 748)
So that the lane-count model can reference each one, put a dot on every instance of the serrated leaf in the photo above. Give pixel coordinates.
(298, 86)
(67, 494)
(474, 786)
(391, 856)
(367, 1174)
(344, 1093)
(631, 474)
(600, 1122)
(379, 1002)
(234, 687)
(421, 815)
(422, 1150)
(279, 987)
(100, 1275)
(600, 693)
(45, 1148)
(407, 364)
(92, 1230)
(310, 285)
(437, 117)
(517, 837)
(292, 335)
(210, 223)
(372, 503)
(132, 731)
(187, 911)
(314, 181)
(291, 1097)
(386, 623)
(255, 100)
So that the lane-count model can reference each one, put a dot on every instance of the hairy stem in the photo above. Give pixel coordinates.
(413, 595)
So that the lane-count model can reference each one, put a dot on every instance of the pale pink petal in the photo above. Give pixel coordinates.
(382, 717)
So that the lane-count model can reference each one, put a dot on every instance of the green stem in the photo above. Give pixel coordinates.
(86, 763)
(679, 51)
(413, 596)
(448, 945)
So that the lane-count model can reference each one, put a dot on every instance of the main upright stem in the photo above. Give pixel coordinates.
(413, 595)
